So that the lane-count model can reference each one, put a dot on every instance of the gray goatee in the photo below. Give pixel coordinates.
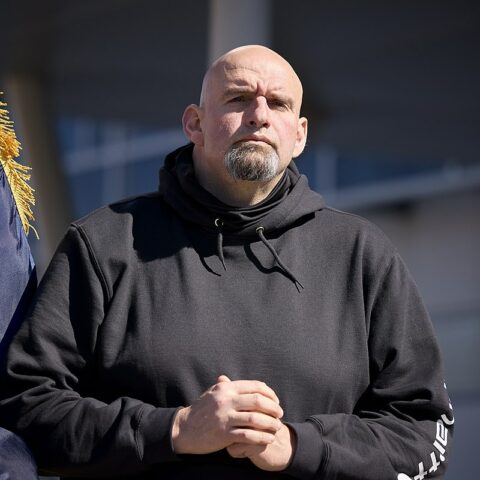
(252, 162)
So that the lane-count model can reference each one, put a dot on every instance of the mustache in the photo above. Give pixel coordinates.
(256, 137)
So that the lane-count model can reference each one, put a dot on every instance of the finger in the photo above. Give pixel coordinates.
(255, 402)
(250, 437)
(223, 378)
(257, 421)
(243, 450)
(255, 386)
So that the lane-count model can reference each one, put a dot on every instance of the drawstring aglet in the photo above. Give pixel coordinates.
(219, 223)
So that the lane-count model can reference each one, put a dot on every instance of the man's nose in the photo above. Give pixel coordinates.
(259, 113)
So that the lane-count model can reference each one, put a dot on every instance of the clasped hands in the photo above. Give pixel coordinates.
(242, 416)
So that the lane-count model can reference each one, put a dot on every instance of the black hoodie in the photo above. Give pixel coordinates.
(148, 300)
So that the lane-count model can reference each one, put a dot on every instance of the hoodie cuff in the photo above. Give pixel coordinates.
(309, 451)
(153, 436)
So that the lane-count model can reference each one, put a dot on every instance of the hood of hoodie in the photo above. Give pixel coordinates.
(290, 200)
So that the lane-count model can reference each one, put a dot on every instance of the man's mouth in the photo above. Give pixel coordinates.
(256, 139)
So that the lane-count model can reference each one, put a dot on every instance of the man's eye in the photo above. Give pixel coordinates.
(237, 99)
(277, 104)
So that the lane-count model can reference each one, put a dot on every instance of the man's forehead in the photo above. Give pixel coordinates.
(270, 77)
(253, 67)
(244, 76)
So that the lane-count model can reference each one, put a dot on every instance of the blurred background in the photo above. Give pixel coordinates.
(97, 90)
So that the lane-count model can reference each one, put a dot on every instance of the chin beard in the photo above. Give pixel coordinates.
(251, 162)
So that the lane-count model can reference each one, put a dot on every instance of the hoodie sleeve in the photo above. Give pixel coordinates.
(402, 425)
(70, 433)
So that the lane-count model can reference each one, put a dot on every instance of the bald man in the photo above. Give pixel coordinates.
(230, 325)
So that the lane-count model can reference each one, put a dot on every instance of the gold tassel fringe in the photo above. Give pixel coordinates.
(16, 173)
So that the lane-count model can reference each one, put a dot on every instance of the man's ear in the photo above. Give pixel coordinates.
(192, 124)
(301, 140)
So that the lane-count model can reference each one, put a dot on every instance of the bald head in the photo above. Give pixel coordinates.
(254, 58)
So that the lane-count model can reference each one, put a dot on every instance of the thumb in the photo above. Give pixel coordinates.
(223, 378)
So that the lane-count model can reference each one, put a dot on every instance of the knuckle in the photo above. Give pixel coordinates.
(237, 453)
(260, 385)
(232, 452)
(267, 437)
(224, 420)
(221, 420)
(220, 387)
(220, 401)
